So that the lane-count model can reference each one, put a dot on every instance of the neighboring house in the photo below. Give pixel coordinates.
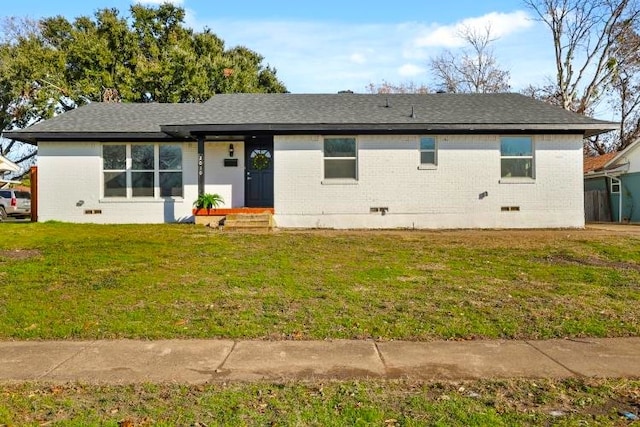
(612, 186)
(7, 165)
(327, 161)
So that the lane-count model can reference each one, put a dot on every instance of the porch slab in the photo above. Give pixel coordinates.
(231, 211)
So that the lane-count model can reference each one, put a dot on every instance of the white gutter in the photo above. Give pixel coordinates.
(618, 170)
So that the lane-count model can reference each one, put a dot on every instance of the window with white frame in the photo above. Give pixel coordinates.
(615, 186)
(516, 157)
(428, 151)
(114, 165)
(142, 170)
(170, 170)
(340, 158)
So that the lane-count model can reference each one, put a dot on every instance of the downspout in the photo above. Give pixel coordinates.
(619, 198)
(609, 204)
(612, 178)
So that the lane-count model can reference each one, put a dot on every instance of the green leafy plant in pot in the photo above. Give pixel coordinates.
(208, 201)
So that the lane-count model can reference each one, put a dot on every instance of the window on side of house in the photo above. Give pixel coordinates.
(516, 157)
(428, 151)
(170, 170)
(340, 158)
(114, 165)
(615, 186)
(142, 170)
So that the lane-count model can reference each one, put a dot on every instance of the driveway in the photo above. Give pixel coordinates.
(627, 229)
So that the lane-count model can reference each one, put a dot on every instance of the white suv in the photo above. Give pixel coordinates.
(14, 203)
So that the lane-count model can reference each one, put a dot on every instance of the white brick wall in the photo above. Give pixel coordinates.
(226, 181)
(388, 176)
(445, 197)
(70, 172)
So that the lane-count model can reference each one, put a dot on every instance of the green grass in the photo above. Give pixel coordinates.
(178, 281)
(572, 402)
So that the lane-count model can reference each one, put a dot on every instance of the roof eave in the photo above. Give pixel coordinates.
(622, 153)
(606, 172)
(185, 130)
(182, 132)
(34, 137)
(599, 129)
(7, 165)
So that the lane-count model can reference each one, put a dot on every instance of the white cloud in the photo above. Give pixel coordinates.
(501, 24)
(358, 58)
(411, 70)
(325, 57)
(159, 2)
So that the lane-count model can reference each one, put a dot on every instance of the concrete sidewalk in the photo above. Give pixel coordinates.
(201, 361)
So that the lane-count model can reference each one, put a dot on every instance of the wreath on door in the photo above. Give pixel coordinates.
(260, 159)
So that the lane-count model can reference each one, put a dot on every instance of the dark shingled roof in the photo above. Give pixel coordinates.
(108, 120)
(314, 113)
(439, 108)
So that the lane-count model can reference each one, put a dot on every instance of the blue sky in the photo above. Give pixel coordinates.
(326, 46)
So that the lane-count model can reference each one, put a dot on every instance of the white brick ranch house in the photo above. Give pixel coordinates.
(334, 161)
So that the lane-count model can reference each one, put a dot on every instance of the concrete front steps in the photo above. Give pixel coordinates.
(249, 222)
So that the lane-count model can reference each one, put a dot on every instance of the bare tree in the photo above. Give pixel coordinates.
(474, 70)
(625, 87)
(584, 38)
(547, 93)
(407, 87)
(13, 28)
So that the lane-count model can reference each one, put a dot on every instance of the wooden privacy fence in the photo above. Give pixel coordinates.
(596, 206)
(34, 193)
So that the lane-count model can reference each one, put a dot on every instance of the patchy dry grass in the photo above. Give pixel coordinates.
(383, 403)
(61, 281)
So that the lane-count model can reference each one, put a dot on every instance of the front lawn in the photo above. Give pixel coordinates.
(60, 281)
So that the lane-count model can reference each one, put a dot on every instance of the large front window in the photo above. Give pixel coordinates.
(516, 157)
(142, 170)
(340, 158)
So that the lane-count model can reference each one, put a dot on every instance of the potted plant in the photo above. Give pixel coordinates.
(207, 201)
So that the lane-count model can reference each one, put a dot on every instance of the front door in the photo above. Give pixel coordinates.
(259, 172)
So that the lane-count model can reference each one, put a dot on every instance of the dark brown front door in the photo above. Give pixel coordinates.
(259, 172)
